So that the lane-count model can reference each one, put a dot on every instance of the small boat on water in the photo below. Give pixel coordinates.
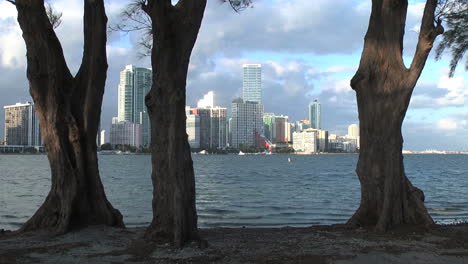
(203, 152)
(241, 153)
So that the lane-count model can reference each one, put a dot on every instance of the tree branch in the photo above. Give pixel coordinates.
(91, 77)
(427, 35)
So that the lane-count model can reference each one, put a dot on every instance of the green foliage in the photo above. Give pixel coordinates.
(284, 150)
(125, 148)
(145, 149)
(250, 149)
(106, 146)
(455, 37)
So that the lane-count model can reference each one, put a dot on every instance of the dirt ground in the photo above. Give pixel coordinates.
(318, 244)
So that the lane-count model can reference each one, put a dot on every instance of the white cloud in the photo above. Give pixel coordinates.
(12, 48)
(7, 10)
(447, 124)
(456, 87)
(339, 86)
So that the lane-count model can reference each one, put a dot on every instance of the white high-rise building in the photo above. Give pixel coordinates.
(246, 123)
(207, 127)
(353, 130)
(135, 83)
(306, 141)
(252, 83)
(315, 115)
(125, 133)
(192, 127)
(103, 137)
(22, 125)
(207, 101)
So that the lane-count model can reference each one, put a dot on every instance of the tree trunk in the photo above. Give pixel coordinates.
(69, 111)
(175, 32)
(383, 88)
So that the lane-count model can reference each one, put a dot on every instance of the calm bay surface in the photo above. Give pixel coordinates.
(251, 190)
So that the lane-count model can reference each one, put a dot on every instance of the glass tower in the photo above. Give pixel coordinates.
(315, 115)
(135, 83)
(252, 83)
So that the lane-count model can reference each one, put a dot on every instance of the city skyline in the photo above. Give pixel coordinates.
(296, 66)
(135, 83)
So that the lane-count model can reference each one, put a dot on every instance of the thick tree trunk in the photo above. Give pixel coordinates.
(175, 31)
(69, 112)
(383, 88)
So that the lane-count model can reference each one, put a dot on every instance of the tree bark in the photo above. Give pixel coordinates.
(69, 111)
(383, 88)
(175, 29)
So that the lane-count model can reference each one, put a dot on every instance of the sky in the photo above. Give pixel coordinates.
(308, 50)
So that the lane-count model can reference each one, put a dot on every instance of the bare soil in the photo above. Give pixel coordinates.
(318, 244)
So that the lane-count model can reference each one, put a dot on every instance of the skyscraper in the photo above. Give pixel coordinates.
(22, 125)
(246, 123)
(125, 133)
(218, 137)
(353, 131)
(315, 115)
(252, 83)
(192, 128)
(207, 127)
(275, 129)
(135, 83)
(102, 137)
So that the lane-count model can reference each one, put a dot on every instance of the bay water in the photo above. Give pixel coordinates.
(250, 190)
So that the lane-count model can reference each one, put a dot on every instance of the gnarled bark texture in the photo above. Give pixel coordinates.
(175, 30)
(69, 111)
(383, 88)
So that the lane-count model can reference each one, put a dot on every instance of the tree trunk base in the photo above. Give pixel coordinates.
(60, 216)
(412, 212)
(161, 237)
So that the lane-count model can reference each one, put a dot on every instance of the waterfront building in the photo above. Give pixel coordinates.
(207, 127)
(246, 123)
(22, 125)
(345, 144)
(126, 133)
(288, 132)
(252, 83)
(321, 139)
(353, 130)
(279, 135)
(268, 123)
(193, 129)
(276, 128)
(103, 137)
(135, 83)
(315, 115)
(305, 142)
(353, 134)
(218, 125)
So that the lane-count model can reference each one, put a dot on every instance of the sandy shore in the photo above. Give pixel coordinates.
(319, 244)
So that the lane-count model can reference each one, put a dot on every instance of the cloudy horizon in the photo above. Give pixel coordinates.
(308, 50)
